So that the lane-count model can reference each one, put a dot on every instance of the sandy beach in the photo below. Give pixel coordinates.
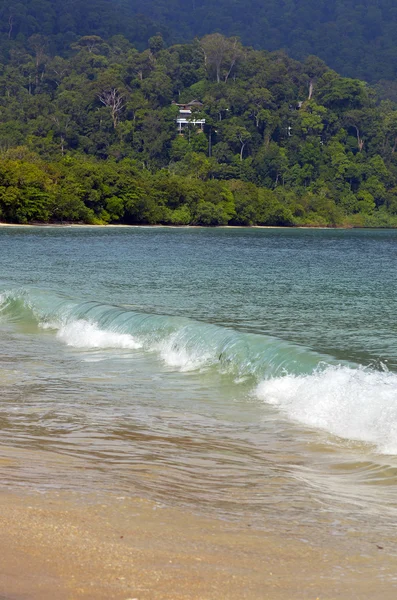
(71, 546)
(120, 225)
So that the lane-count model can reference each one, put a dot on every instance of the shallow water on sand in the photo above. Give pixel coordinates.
(241, 373)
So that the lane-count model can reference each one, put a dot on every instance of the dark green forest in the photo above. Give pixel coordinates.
(88, 129)
(357, 39)
(63, 22)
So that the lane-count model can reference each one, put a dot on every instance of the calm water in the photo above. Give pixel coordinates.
(244, 372)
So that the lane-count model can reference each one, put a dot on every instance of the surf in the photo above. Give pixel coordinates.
(357, 404)
(180, 342)
(351, 401)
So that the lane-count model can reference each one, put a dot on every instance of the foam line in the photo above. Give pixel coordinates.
(357, 404)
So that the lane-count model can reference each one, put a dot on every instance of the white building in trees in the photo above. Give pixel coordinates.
(185, 117)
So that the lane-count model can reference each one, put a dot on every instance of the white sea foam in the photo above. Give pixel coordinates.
(175, 353)
(83, 334)
(357, 404)
(172, 350)
(50, 324)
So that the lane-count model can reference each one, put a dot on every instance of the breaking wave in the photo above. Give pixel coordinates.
(346, 400)
(358, 404)
(181, 343)
(82, 334)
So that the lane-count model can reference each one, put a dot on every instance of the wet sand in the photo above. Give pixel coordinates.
(71, 546)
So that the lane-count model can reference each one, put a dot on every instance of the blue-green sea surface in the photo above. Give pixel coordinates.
(238, 371)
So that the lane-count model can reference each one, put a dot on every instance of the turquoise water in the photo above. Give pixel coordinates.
(231, 370)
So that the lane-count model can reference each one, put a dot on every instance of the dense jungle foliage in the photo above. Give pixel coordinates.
(357, 39)
(63, 22)
(93, 137)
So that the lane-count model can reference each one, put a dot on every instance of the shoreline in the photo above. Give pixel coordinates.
(71, 546)
(122, 226)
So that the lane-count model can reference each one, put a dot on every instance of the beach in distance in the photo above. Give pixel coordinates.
(197, 413)
(111, 225)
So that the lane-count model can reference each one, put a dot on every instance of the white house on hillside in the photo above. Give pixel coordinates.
(185, 115)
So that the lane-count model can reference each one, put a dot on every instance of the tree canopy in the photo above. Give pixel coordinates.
(93, 137)
(356, 39)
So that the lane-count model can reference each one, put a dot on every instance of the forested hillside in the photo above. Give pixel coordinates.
(357, 39)
(94, 137)
(62, 22)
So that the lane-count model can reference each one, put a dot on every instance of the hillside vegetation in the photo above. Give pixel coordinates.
(93, 137)
(357, 39)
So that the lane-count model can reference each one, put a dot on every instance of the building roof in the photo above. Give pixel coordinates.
(190, 104)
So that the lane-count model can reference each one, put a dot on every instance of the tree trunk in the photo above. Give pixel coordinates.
(10, 24)
(230, 70)
(218, 73)
(360, 141)
(311, 88)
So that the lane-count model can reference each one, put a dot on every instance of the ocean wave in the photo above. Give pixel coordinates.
(182, 343)
(346, 400)
(357, 404)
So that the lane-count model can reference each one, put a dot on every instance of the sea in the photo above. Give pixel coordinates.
(240, 373)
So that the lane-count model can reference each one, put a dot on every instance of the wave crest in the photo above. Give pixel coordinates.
(82, 334)
(182, 343)
(358, 404)
(344, 399)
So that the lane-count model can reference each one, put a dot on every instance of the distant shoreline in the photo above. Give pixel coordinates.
(122, 226)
